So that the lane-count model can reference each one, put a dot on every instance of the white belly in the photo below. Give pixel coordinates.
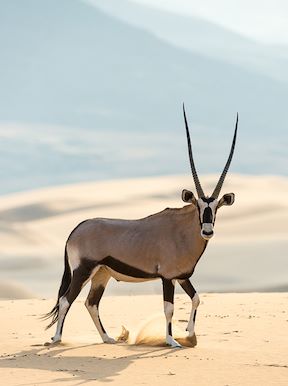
(129, 279)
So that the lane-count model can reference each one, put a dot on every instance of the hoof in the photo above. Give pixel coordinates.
(53, 343)
(109, 340)
(192, 339)
(173, 343)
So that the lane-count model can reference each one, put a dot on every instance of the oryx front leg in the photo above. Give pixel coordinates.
(98, 284)
(191, 292)
(168, 296)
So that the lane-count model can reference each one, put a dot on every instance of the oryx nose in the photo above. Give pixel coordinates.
(207, 231)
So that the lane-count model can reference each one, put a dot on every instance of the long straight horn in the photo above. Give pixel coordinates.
(193, 169)
(216, 192)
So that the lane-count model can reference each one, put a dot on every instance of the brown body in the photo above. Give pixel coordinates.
(167, 244)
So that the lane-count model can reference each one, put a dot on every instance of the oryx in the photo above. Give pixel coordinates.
(166, 245)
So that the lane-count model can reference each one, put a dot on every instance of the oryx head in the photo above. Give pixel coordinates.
(207, 206)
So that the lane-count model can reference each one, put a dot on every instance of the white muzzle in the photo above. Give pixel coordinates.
(207, 231)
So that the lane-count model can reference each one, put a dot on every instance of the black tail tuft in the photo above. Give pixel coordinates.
(54, 314)
(64, 287)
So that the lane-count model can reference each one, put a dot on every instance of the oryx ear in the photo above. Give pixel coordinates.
(188, 196)
(227, 199)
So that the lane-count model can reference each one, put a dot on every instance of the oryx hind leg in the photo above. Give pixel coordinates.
(191, 292)
(98, 284)
(168, 297)
(80, 277)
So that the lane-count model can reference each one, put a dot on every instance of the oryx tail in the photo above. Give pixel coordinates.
(65, 284)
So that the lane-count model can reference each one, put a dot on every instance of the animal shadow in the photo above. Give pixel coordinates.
(98, 364)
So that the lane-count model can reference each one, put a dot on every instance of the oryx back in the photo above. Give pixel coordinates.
(167, 244)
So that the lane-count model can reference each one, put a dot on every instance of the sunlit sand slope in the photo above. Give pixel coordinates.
(248, 252)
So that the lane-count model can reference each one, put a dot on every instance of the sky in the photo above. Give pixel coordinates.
(93, 92)
(261, 20)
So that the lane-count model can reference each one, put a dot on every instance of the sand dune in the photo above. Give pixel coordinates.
(242, 340)
(10, 290)
(249, 250)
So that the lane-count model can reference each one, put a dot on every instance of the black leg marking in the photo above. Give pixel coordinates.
(96, 295)
(102, 327)
(191, 292)
(194, 317)
(98, 284)
(94, 298)
(188, 288)
(170, 329)
(168, 297)
(79, 277)
(61, 328)
(168, 290)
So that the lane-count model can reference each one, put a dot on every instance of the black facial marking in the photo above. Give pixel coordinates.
(207, 215)
(208, 199)
(126, 269)
(200, 220)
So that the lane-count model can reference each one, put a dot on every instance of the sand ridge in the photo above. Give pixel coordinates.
(251, 236)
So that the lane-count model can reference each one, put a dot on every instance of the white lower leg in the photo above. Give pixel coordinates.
(94, 312)
(191, 324)
(168, 310)
(63, 308)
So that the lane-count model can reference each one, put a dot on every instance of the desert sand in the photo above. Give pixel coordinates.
(242, 340)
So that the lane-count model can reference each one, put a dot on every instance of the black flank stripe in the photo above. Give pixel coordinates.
(126, 269)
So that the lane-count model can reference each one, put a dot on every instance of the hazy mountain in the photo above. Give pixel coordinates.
(66, 62)
(66, 65)
(201, 36)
